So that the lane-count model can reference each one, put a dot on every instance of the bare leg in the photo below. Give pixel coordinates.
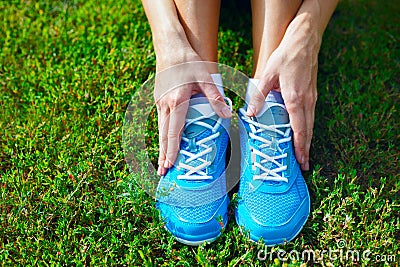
(183, 31)
(287, 38)
(270, 20)
(200, 22)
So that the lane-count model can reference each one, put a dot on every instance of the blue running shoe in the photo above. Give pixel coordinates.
(274, 202)
(192, 197)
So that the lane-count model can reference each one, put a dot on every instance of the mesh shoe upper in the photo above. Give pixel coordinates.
(274, 200)
(192, 195)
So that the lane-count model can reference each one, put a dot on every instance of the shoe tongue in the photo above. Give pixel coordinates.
(198, 106)
(273, 114)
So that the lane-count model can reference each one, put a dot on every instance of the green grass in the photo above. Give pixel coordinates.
(68, 71)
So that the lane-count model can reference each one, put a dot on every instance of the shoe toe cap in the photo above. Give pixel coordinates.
(274, 231)
(195, 224)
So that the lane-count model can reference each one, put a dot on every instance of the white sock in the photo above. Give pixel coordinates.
(273, 96)
(217, 78)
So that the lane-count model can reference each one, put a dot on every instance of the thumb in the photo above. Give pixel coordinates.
(216, 100)
(257, 100)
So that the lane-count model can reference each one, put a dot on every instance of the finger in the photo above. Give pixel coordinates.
(257, 100)
(309, 118)
(216, 100)
(163, 121)
(177, 118)
(300, 133)
(309, 113)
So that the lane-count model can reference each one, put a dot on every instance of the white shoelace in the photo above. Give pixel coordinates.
(196, 172)
(265, 173)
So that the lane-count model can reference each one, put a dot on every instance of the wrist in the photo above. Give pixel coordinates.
(168, 40)
(305, 31)
(172, 47)
(174, 53)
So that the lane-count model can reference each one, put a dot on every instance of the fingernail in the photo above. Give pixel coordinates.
(251, 110)
(166, 164)
(302, 160)
(226, 112)
(160, 170)
(307, 166)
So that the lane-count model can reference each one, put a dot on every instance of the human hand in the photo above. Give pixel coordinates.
(292, 69)
(174, 87)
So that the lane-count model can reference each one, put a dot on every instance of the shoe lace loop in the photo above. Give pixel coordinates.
(283, 131)
(197, 172)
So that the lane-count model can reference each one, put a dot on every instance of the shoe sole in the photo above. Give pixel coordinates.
(195, 243)
(272, 243)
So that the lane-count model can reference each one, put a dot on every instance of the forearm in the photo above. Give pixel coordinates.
(319, 11)
(304, 34)
(167, 31)
(312, 18)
